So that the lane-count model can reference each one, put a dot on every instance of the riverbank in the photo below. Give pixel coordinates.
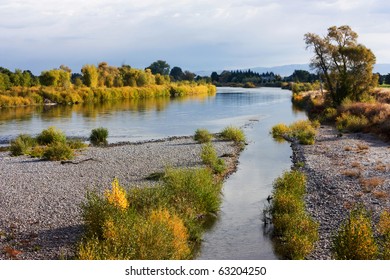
(40, 214)
(343, 170)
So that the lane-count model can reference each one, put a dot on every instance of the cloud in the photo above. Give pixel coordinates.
(202, 34)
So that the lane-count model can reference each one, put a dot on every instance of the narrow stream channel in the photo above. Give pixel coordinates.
(238, 232)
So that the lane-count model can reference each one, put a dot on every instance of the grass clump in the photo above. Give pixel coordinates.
(355, 238)
(210, 158)
(202, 136)
(22, 145)
(50, 136)
(383, 228)
(160, 222)
(295, 231)
(232, 133)
(99, 136)
(58, 151)
(304, 131)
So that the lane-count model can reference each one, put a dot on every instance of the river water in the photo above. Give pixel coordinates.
(238, 232)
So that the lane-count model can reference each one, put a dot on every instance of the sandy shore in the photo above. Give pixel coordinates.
(40, 215)
(343, 171)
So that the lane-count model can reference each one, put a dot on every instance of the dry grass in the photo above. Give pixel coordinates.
(352, 173)
(380, 194)
(355, 164)
(369, 184)
(362, 147)
(348, 149)
(381, 167)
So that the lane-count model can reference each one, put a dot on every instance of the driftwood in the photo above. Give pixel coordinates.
(77, 162)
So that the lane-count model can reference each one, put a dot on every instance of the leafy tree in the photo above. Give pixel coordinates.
(90, 75)
(345, 65)
(159, 67)
(189, 76)
(214, 77)
(387, 79)
(5, 82)
(176, 73)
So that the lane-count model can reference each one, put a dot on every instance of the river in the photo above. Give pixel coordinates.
(238, 232)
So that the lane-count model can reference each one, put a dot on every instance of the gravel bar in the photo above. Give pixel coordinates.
(40, 213)
(343, 170)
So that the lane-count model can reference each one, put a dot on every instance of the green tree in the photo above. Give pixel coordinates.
(189, 76)
(387, 79)
(176, 73)
(345, 65)
(159, 67)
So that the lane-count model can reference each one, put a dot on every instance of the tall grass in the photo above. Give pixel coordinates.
(235, 134)
(202, 136)
(99, 136)
(295, 231)
(160, 222)
(210, 158)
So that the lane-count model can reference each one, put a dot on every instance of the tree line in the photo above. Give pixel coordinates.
(102, 75)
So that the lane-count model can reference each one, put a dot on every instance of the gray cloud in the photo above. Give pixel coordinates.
(202, 34)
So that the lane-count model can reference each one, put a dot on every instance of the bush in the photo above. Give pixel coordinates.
(355, 238)
(202, 136)
(351, 122)
(99, 136)
(50, 136)
(235, 134)
(210, 158)
(295, 231)
(76, 144)
(58, 151)
(304, 131)
(22, 145)
(279, 131)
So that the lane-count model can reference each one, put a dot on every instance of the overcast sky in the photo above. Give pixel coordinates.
(195, 35)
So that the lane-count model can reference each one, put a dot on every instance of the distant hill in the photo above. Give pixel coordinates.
(287, 70)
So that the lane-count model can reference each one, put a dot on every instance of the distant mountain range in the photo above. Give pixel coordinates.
(287, 70)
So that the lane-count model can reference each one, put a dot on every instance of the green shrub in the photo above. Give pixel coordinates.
(351, 122)
(355, 238)
(210, 158)
(99, 136)
(295, 231)
(328, 115)
(279, 131)
(235, 134)
(304, 131)
(76, 144)
(22, 145)
(202, 136)
(58, 151)
(51, 135)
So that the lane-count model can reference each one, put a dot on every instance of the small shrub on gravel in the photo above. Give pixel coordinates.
(51, 135)
(304, 131)
(210, 158)
(76, 144)
(58, 151)
(233, 134)
(99, 136)
(355, 238)
(202, 136)
(22, 145)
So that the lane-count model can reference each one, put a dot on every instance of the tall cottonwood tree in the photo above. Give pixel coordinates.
(345, 66)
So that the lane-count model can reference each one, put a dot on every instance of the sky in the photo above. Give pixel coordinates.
(194, 35)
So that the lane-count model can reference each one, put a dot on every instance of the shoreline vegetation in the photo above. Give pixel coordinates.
(67, 210)
(96, 84)
(345, 159)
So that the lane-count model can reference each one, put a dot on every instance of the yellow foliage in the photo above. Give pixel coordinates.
(384, 223)
(179, 231)
(117, 196)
